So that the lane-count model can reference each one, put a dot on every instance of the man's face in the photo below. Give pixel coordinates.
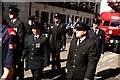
(56, 19)
(80, 34)
(95, 26)
(12, 15)
(30, 22)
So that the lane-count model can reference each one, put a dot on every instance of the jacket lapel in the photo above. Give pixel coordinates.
(99, 32)
(74, 43)
(31, 39)
(83, 42)
(14, 23)
(38, 40)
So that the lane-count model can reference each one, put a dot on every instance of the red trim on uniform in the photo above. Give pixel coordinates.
(11, 46)
(0, 39)
(11, 32)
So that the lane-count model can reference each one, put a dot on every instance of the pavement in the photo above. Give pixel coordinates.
(108, 67)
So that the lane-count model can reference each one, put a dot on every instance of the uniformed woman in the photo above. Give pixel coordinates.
(35, 46)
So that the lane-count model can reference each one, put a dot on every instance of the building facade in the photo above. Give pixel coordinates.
(86, 11)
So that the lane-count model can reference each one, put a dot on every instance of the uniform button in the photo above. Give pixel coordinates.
(74, 60)
(32, 48)
(75, 49)
(75, 54)
(32, 53)
(31, 57)
(73, 66)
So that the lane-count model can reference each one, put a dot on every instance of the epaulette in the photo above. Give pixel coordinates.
(11, 32)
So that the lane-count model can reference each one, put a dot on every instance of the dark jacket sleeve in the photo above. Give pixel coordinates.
(92, 61)
(21, 33)
(8, 54)
(103, 42)
(64, 34)
(46, 54)
(26, 48)
(69, 55)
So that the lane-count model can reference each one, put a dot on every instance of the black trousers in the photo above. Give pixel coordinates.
(18, 71)
(37, 74)
(55, 58)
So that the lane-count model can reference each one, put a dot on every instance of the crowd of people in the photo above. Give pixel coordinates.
(34, 43)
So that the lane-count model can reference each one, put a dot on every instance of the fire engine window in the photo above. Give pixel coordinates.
(115, 24)
(106, 23)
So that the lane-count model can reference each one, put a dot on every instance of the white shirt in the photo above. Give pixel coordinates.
(13, 20)
(37, 36)
(97, 30)
(81, 40)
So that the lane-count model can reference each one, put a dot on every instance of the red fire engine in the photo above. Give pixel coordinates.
(111, 25)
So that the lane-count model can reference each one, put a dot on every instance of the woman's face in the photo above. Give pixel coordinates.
(36, 31)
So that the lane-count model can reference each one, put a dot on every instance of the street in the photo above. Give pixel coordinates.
(108, 67)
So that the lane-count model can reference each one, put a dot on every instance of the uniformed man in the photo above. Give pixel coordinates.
(99, 36)
(28, 27)
(19, 27)
(37, 51)
(57, 34)
(82, 57)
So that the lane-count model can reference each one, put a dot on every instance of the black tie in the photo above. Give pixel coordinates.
(11, 22)
(95, 31)
(35, 38)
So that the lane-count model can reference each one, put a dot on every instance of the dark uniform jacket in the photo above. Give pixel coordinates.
(57, 35)
(28, 29)
(19, 27)
(8, 47)
(36, 50)
(99, 39)
(82, 60)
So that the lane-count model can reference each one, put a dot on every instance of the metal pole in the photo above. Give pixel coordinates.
(30, 8)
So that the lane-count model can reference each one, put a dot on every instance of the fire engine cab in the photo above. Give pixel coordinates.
(111, 25)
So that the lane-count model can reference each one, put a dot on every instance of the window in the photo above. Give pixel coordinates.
(51, 17)
(68, 18)
(106, 23)
(115, 24)
(37, 13)
(87, 21)
(73, 18)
